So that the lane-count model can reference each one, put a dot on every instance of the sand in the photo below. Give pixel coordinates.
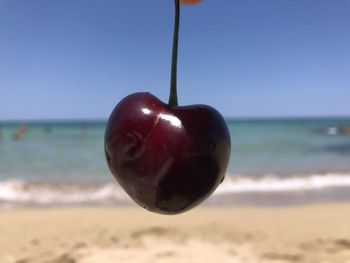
(317, 233)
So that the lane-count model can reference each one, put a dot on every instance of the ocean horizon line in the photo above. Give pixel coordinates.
(227, 118)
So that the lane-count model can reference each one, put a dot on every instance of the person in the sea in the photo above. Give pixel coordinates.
(83, 128)
(21, 131)
(48, 129)
(345, 130)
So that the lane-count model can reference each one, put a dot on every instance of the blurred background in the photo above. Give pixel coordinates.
(277, 70)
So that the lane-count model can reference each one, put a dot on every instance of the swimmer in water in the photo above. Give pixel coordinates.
(345, 130)
(83, 128)
(48, 129)
(21, 131)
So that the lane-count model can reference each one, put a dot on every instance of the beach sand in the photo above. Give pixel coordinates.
(317, 233)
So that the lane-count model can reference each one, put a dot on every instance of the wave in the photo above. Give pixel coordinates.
(273, 183)
(22, 193)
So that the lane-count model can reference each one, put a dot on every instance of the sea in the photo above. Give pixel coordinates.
(274, 162)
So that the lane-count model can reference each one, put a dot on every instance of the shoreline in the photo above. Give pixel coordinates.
(309, 233)
(239, 191)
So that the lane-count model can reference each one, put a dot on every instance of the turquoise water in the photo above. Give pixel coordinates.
(54, 151)
(74, 151)
(289, 146)
(64, 161)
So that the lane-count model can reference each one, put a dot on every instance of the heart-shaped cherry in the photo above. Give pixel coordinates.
(168, 159)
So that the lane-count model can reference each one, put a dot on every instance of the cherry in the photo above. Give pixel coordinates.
(168, 158)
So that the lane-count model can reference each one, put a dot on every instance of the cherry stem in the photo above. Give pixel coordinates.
(173, 83)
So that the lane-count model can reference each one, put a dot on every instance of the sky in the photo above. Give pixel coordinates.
(76, 59)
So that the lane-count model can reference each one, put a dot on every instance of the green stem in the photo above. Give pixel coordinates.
(173, 83)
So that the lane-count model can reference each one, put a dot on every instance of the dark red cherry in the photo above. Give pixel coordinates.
(167, 158)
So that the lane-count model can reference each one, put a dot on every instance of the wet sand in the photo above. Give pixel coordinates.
(316, 233)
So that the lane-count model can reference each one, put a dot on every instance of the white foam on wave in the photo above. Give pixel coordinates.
(273, 184)
(24, 193)
(17, 191)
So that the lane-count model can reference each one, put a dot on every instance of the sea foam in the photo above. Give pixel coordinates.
(273, 183)
(21, 193)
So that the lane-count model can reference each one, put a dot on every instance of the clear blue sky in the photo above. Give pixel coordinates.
(78, 58)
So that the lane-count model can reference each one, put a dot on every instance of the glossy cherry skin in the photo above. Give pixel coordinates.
(168, 159)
